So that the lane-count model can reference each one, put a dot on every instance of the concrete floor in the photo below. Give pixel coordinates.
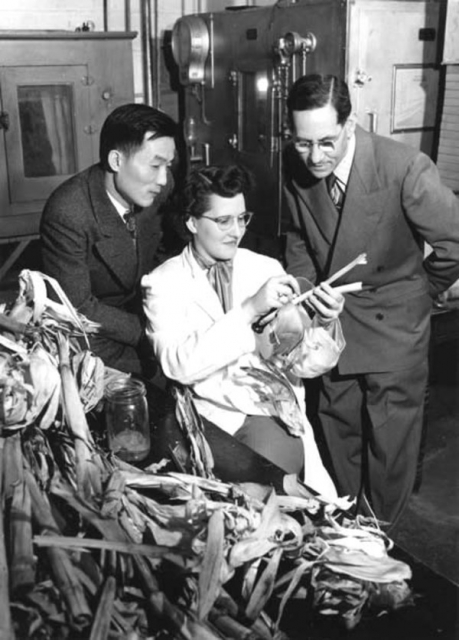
(429, 528)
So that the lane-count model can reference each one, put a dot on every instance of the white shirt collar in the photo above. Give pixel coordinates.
(343, 169)
(122, 210)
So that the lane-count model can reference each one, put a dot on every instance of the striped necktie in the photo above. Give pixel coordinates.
(336, 191)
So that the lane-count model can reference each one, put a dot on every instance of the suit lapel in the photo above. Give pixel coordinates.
(115, 246)
(363, 206)
(322, 210)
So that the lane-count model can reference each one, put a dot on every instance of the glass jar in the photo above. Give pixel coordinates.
(127, 420)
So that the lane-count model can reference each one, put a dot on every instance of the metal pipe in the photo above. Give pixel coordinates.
(105, 13)
(127, 15)
(151, 54)
(146, 64)
(157, 60)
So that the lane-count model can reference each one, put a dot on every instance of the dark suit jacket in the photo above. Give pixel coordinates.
(87, 248)
(394, 201)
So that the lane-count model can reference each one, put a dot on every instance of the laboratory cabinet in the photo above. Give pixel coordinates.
(56, 89)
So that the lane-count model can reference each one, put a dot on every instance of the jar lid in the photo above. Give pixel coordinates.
(124, 388)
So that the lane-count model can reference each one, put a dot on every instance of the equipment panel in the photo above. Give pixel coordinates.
(236, 67)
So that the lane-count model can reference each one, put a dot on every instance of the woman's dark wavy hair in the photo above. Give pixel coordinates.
(225, 181)
(316, 90)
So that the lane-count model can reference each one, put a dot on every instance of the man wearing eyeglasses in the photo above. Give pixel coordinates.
(349, 192)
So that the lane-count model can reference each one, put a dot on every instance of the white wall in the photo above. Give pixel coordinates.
(69, 15)
(50, 14)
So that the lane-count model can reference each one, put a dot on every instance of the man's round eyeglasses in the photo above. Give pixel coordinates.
(225, 223)
(327, 145)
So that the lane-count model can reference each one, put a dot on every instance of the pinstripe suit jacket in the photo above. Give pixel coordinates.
(394, 202)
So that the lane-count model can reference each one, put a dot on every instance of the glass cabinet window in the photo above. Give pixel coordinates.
(48, 145)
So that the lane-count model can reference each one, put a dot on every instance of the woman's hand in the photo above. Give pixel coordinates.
(326, 302)
(276, 292)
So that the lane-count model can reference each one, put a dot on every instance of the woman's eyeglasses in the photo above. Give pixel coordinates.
(225, 223)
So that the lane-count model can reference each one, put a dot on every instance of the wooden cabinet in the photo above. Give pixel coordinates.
(56, 89)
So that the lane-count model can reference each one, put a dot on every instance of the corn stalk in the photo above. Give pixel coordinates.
(6, 628)
(76, 418)
(61, 564)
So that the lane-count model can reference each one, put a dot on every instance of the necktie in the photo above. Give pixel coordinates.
(131, 224)
(336, 191)
(220, 275)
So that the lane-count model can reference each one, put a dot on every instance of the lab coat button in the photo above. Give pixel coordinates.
(379, 316)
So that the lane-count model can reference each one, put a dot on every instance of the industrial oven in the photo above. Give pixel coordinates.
(236, 67)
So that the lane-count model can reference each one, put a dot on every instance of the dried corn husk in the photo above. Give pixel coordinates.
(29, 390)
(89, 372)
(101, 626)
(275, 392)
(76, 418)
(33, 292)
(191, 425)
(126, 529)
(22, 561)
(211, 568)
(62, 567)
(264, 586)
(361, 566)
(6, 628)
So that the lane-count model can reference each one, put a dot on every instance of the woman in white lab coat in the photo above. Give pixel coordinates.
(201, 307)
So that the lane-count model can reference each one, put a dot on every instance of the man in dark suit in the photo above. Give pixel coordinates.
(100, 230)
(350, 192)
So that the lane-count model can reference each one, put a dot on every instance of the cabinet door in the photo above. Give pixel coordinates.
(49, 120)
(392, 72)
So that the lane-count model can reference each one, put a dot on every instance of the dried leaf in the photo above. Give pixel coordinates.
(211, 568)
(264, 587)
(101, 625)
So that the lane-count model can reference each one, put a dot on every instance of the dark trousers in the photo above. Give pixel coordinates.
(269, 438)
(124, 357)
(372, 426)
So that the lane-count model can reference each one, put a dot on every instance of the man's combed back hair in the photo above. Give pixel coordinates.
(201, 184)
(124, 129)
(315, 90)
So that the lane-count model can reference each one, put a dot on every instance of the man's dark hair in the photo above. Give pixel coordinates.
(125, 128)
(315, 90)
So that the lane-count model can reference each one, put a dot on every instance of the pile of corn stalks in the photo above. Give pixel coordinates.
(93, 548)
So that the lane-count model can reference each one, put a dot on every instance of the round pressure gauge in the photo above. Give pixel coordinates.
(190, 47)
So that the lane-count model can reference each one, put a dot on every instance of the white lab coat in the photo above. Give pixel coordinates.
(197, 344)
